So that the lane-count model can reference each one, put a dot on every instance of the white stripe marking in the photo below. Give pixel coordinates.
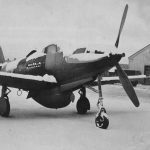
(46, 77)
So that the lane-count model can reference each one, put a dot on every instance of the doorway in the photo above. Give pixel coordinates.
(147, 73)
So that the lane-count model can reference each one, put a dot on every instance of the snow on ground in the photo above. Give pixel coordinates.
(33, 126)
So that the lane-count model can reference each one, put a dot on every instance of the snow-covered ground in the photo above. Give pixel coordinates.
(31, 126)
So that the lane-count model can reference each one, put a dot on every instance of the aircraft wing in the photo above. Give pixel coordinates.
(115, 79)
(31, 82)
(26, 82)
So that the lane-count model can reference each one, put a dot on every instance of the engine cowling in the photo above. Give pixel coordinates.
(52, 98)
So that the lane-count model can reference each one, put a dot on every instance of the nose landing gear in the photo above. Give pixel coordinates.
(83, 104)
(101, 119)
(4, 102)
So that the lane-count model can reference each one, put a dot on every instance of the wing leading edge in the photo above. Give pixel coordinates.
(31, 82)
(27, 82)
(115, 79)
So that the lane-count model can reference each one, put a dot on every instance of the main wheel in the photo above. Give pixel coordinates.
(134, 83)
(83, 105)
(101, 119)
(4, 106)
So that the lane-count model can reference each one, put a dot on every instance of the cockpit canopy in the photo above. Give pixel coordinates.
(32, 52)
(83, 50)
(79, 50)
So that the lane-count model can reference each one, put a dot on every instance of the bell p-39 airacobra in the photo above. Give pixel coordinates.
(50, 78)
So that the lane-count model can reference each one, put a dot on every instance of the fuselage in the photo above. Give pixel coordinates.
(66, 69)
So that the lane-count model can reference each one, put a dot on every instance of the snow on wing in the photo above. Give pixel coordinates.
(25, 82)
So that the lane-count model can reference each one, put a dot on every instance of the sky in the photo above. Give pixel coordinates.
(33, 24)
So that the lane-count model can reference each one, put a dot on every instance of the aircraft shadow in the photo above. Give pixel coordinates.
(17, 114)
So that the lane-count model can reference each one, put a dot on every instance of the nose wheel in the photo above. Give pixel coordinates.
(101, 119)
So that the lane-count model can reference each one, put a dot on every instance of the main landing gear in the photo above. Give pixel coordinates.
(4, 102)
(83, 104)
(101, 119)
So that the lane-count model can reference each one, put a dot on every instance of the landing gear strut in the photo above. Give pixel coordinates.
(4, 102)
(83, 104)
(101, 119)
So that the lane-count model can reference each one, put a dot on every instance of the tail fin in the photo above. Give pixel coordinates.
(2, 59)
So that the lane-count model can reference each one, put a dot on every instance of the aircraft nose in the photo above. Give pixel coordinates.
(114, 58)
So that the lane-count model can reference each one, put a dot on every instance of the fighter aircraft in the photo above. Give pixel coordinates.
(50, 78)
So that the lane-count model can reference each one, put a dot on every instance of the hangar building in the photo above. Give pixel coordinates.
(141, 61)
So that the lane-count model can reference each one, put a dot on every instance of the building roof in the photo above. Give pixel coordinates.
(139, 52)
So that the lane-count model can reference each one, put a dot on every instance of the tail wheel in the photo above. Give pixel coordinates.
(83, 105)
(4, 106)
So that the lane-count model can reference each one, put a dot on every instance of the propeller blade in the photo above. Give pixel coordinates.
(127, 85)
(122, 24)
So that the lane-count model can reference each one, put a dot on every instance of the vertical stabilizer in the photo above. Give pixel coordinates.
(2, 59)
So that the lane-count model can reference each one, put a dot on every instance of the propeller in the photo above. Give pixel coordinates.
(127, 85)
(122, 24)
(122, 75)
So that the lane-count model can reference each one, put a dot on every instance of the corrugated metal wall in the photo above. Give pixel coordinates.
(139, 61)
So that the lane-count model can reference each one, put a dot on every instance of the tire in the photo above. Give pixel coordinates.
(4, 107)
(102, 122)
(134, 83)
(83, 105)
